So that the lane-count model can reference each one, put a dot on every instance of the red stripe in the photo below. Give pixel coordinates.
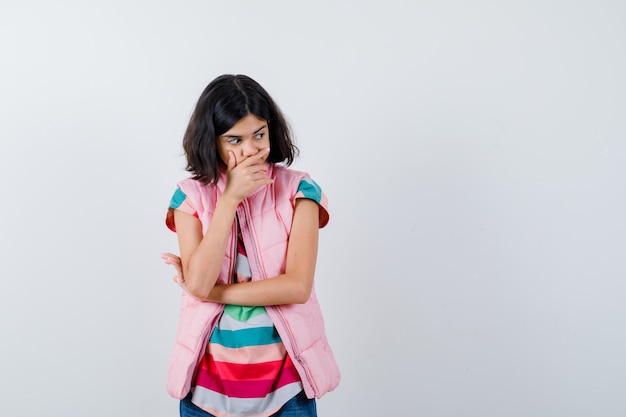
(238, 372)
(246, 388)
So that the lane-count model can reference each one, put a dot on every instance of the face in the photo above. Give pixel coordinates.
(246, 138)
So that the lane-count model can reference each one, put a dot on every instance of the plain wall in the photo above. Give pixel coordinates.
(474, 158)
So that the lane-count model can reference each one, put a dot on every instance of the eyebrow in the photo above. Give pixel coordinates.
(238, 136)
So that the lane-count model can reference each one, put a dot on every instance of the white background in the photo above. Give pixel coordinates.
(473, 154)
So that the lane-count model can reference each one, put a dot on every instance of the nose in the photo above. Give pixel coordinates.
(250, 148)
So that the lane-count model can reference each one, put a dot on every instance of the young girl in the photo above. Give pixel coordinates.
(251, 338)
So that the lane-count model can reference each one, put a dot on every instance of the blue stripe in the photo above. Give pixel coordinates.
(310, 190)
(177, 198)
(245, 337)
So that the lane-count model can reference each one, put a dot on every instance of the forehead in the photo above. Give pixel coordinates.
(247, 125)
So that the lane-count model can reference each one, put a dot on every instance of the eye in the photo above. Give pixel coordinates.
(234, 141)
(259, 136)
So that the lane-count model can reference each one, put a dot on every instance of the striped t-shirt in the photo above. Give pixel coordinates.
(245, 370)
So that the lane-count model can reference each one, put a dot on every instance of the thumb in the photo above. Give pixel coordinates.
(232, 161)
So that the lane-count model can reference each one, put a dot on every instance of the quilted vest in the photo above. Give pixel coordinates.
(266, 216)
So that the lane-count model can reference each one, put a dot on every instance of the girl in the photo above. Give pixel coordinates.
(251, 338)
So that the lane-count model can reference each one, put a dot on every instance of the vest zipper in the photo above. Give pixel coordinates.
(294, 347)
(250, 243)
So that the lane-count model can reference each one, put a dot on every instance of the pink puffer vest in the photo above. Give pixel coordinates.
(266, 217)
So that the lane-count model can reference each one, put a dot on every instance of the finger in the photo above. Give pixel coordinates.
(262, 179)
(256, 159)
(262, 155)
(232, 161)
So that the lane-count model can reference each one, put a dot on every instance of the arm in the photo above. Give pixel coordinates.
(295, 285)
(202, 256)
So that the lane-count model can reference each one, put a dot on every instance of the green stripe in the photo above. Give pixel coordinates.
(177, 198)
(243, 313)
(246, 337)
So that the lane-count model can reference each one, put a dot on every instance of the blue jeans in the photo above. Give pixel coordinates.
(298, 406)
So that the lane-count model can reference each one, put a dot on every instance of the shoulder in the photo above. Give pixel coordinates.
(197, 192)
(288, 174)
(299, 184)
(192, 197)
(191, 186)
(287, 179)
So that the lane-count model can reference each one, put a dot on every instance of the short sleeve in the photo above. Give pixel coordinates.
(180, 202)
(311, 190)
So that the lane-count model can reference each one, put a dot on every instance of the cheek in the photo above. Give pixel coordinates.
(223, 154)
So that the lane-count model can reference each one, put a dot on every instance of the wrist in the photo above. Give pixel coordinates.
(228, 201)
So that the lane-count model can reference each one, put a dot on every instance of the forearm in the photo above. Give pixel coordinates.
(204, 264)
(283, 289)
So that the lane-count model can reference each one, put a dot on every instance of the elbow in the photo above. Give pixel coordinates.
(302, 294)
(196, 293)
(198, 290)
